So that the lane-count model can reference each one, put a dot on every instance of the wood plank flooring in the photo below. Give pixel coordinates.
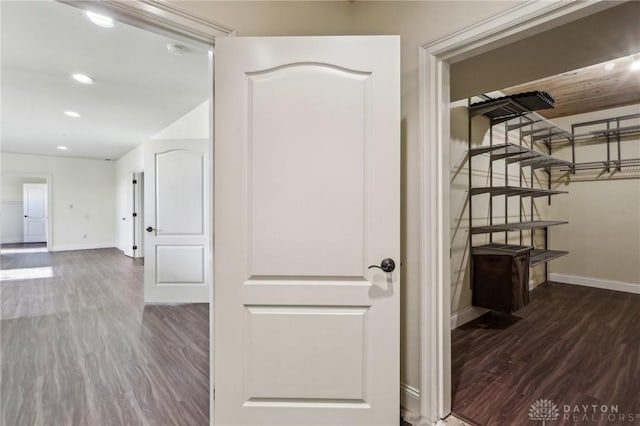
(571, 344)
(78, 346)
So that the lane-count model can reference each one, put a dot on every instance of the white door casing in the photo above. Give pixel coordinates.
(125, 224)
(307, 196)
(138, 209)
(34, 206)
(177, 187)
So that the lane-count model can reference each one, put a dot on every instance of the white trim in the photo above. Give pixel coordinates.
(87, 246)
(626, 287)
(410, 399)
(520, 21)
(434, 220)
(466, 315)
(157, 15)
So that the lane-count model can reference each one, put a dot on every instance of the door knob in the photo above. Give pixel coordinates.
(26, 215)
(149, 229)
(387, 265)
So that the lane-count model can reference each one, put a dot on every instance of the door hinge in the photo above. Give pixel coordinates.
(135, 181)
(135, 214)
(135, 247)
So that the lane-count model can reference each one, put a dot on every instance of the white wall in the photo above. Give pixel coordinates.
(83, 201)
(192, 125)
(603, 209)
(11, 209)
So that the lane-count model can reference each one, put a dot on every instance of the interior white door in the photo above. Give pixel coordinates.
(34, 208)
(307, 196)
(177, 187)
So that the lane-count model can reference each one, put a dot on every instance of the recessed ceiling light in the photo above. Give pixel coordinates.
(610, 66)
(81, 78)
(635, 65)
(72, 114)
(100, 20)
(62, 148)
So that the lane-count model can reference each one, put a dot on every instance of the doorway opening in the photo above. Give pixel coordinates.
(85, 276)
(442, 69)
(27, 215)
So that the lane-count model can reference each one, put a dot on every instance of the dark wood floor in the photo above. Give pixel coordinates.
(571, 345)
(78, 346)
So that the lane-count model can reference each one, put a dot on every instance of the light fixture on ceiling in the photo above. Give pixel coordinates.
(610, 66)
(100, 20)
(72, 114)
(62, 148)
(81, 78)
(176, 49)
(635, 65)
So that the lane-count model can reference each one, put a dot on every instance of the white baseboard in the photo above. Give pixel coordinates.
(87, 246)
(410, 398)
(467, 314)
(596, 282)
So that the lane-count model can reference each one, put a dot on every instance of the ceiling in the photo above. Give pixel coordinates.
(589, 89)
(139, 87)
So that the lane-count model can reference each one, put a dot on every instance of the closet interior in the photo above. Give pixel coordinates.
(522, 141)
(545, 244)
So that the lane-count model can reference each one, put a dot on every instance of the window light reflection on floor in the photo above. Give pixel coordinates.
(26, 273)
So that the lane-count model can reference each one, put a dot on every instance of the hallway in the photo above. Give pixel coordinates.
(78, 346)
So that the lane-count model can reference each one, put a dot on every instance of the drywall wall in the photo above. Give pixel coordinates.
(192, 125)
(83, 201)
(603, 208)
(459, 163)
(574, 45)
(276, 18)
(11, 208)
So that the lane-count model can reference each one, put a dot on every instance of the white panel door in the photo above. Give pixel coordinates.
(177, 187)
(307, 196)
(34, 208)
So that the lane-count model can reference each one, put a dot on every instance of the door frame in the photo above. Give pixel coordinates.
(172, 21)
(48, 177)
(435, 57)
